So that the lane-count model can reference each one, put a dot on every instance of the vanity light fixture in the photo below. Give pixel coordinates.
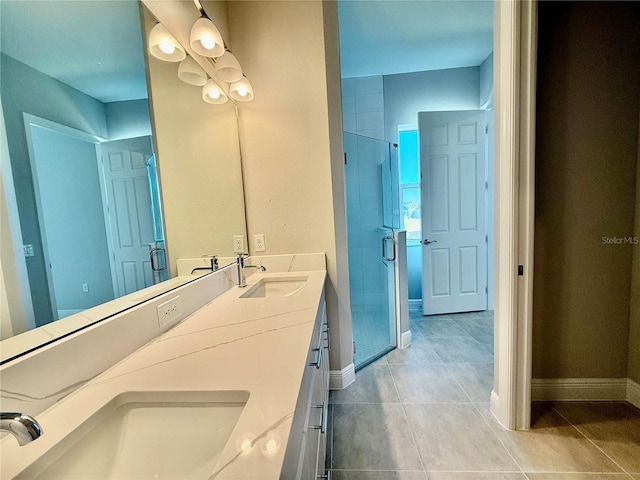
(228, 68)
(242, 91)
(205, 38)
(164, 46)
(212, 93)
(190, 72)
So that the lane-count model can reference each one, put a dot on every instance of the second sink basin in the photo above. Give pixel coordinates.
(162, 435)
(276, 287)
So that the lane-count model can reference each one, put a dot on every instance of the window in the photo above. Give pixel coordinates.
(410, 194)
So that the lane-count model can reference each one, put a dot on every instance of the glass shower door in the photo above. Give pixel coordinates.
(369, 175)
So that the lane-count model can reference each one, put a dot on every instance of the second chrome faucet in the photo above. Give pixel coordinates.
(242, 281)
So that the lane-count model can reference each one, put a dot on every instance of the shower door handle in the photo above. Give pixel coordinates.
(384, 249)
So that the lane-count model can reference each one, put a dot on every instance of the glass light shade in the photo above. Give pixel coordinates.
(205, 38)
(164, 46)
(242, 91)
(228, 68)
(190, 72)
(212, 93)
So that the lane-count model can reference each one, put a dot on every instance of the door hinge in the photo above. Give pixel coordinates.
(345, 158)
(486, 239)
(486, 289)
(354, 348)
(486, 129)
(520, 270)
(486, 185)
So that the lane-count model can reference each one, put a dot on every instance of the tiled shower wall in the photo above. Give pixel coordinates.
(363, 114)
(363, 106)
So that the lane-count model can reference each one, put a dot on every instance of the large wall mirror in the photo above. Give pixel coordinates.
(103, 189)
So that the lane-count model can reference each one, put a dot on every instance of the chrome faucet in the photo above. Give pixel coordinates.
(24, 427)
(242, 281)
(214, 265)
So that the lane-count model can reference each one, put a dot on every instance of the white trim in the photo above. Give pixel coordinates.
(526, 209)
(415, 304)
(633, 393)
(27, 317)
(107, 220)
(513, 210)
(579, 389)
(506, 206)
(494, 401)
(339, 379)
(405, 339)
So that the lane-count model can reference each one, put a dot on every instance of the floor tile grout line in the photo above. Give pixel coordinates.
(515, 461)
(590, 441)
(458, 383)
(404, 412)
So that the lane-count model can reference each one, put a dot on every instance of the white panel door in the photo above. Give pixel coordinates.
(129, 211)
(454, 259)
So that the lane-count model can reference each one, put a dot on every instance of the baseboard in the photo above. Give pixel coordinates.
(567, 389)
(68, 313)
(415, 304)
(339, 379)
(494, 405)
(633, 392)
(405, 339)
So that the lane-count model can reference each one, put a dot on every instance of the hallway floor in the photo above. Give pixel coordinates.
(423, 414)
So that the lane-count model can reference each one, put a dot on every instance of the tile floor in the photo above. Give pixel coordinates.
(423, 414)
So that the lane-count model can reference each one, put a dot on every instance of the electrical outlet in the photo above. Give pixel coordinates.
(85, 287)
(258, 242)
(28, 250)
(238, 244)
(169, 311)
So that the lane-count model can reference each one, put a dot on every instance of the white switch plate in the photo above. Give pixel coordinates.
(258, 242)
(238, 244)
(169, 311)
(85, 287)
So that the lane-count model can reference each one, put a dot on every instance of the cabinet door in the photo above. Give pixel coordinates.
(317, 420)
(322, 448)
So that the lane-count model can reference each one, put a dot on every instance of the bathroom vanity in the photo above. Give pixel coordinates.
(239, 389)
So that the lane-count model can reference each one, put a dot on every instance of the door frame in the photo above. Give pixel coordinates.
(515, 44)
(36, 121)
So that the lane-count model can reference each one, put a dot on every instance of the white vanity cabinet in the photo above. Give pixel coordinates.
(306, 449)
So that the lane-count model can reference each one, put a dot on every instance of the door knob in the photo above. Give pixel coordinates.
(426, 241)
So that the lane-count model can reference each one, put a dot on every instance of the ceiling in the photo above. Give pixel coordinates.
(383, 37)
(94, 46)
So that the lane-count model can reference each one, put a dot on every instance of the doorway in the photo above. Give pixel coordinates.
(84, 211)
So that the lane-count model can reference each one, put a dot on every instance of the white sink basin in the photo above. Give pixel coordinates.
(158, 435)
(276, 287)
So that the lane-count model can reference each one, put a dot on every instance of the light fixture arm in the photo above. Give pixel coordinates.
(199, 7)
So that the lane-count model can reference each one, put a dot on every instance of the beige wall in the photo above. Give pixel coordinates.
(587, 132)
(292, 154)
(634, 318)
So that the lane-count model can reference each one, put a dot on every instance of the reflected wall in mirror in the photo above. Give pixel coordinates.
(80, 201)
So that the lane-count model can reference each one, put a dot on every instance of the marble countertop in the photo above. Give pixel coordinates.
(258, 345)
